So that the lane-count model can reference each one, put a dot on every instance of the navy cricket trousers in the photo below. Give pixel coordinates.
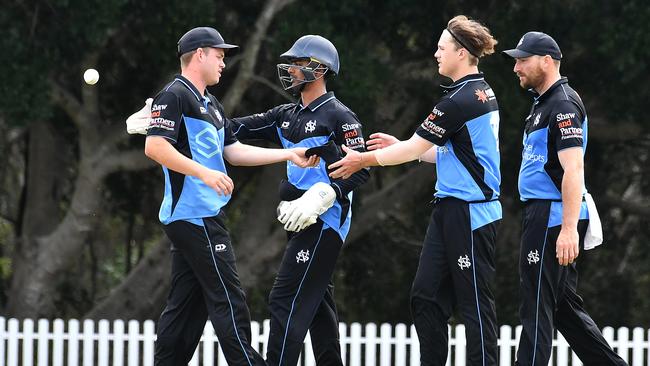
(204, 284)
(549, 297)
(302, 298)
(456, 270)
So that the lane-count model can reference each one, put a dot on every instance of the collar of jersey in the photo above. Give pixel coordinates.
(464, 80)
(563, 80)
(188, 84)
(313, 106)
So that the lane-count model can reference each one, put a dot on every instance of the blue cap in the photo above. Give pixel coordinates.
(201, 37)
(535, 43)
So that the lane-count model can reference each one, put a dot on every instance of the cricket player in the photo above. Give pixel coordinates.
(460, 135)
(556, 218)
(315, 209)
(189, 135)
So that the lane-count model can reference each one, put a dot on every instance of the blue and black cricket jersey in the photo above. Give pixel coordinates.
(557, 121)
(294, 125)
(195, 125)
(464, 125)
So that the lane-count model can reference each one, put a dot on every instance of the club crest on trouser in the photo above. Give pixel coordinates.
(302, 256)
(533, 257)
(464, 262)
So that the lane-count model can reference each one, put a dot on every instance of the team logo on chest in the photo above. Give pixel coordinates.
(481, 95)
(536, 121)
(216, 113)
(208, 142)
(310, 126)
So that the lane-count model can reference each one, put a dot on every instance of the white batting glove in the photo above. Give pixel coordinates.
(302, 212)
(138, 122)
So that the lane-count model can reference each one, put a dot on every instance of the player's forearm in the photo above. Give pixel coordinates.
(161, 151)
(248, 155)
(344, 186)
(402, 152)
(430, 155)
(572, 183)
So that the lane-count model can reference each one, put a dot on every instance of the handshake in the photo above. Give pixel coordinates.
(139, 121)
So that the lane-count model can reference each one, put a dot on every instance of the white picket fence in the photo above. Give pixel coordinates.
(117, 343)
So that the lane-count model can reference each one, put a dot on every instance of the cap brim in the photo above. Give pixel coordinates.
(225, 45)
(228, 48)
(515, 53)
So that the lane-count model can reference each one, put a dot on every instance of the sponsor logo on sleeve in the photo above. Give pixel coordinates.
(561, 116)
(571, 133)
(433, 128)
(354, 142)
(160, 122)
(351, 134)
(165, 124)
(435, 113)
(350, 126)
(565, 124)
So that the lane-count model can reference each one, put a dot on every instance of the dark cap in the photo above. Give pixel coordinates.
(535, 43)
(201, 37)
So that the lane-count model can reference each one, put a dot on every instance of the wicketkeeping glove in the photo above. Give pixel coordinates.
(138, 122)
(302, 212)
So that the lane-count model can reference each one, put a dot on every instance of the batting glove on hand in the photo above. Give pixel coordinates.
(302, 212)
(138, 122)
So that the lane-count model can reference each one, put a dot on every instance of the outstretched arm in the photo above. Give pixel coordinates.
(380, 140)
(395, 154)
(248, 155)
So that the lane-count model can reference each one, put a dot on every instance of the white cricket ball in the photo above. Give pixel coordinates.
(91, 76)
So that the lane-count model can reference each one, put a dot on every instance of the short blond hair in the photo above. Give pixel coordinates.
(187, 56)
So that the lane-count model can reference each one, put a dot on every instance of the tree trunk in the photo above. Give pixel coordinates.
(143, 292)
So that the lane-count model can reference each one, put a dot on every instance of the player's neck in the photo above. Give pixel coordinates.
(548, 82)
(195, 78)
(463, 71)
(311, 92)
